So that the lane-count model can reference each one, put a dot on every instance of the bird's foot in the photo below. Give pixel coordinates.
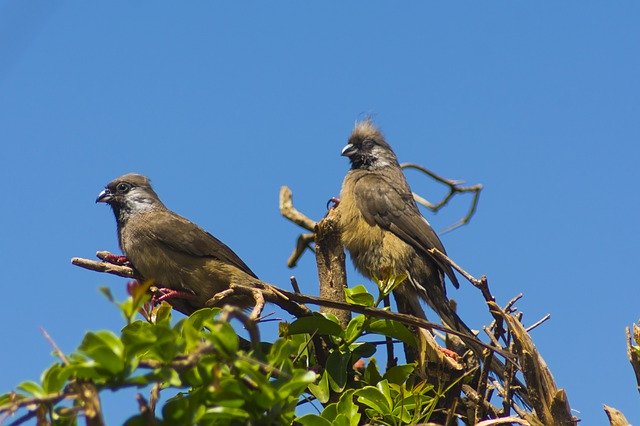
(168, 293)
(333, 203)
(116, 259)
(450, 354)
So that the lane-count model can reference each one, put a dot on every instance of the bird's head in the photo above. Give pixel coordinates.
(367, 148)
(128, 194)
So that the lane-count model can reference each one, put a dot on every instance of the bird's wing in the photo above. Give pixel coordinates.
(395, 211)
(186, 237)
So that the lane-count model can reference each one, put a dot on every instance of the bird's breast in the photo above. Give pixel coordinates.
(376, 252)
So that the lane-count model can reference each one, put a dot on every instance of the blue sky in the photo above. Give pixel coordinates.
(221, 104)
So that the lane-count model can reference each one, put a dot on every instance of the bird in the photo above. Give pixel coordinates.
(387, 236)
(385, 233)
(188, 264)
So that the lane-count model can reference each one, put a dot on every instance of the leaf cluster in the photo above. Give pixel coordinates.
(214, 379)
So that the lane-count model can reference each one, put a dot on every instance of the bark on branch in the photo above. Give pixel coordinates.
(331, 269)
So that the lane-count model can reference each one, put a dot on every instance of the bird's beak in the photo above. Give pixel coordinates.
(348, 150)
(104, 196)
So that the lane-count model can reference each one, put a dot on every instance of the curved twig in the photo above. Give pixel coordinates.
(455, 187)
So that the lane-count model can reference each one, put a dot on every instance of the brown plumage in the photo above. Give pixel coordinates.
(169, 249)
(384, 231)
(387, 236)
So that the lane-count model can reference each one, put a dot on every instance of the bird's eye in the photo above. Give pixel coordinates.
(123, 187)
(367, 144)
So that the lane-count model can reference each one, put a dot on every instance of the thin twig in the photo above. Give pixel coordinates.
(303, 243)
(109, 268)
(454, 188)
(53, 344)
(503, 420)
(478, 399)
(537, 323)
(294, 284)
(392, 361)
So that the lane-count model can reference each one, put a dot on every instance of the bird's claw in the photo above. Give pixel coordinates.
(333, 203)
(116, 259)
(168, 293)
(451, 354)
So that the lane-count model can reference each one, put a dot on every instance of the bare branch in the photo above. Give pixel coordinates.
(109, 268)
(504, 420)
(537, 323)
(550, 404)
(616, 418)
(294, 284)
(633, 351)
(332, 275)
(454, 188)
(287, 210)
(283, 298)
(302, 244)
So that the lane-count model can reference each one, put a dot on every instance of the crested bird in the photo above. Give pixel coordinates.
(387, 236)
(384, 231)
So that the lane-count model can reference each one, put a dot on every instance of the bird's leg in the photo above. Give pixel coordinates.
(168, 293)
(116, 259)
(333, 203)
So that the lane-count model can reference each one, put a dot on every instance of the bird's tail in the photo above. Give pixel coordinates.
(408, 302)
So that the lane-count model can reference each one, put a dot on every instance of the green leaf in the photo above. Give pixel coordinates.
(321, 390)
(169, 376)
(191, 328)
(6, 398)
(224, 337)
(155, 341)
(392, 329)
(227, 413)
(297, 384)
(388, 285)
(330, 412)
(337, 366)
(199, 318)
(31, 388)
(341, 420)
(354, 328)
(362, 350)
(383, 387)
(372, 397)
(359, 295)
(401, 412)
(371, 374)
(400, 373)
(177, 410)
(315, 323)
(106, 291)
(163, 314)
(312, 420)
(105, 349)
(348, 409)
(55, 377)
